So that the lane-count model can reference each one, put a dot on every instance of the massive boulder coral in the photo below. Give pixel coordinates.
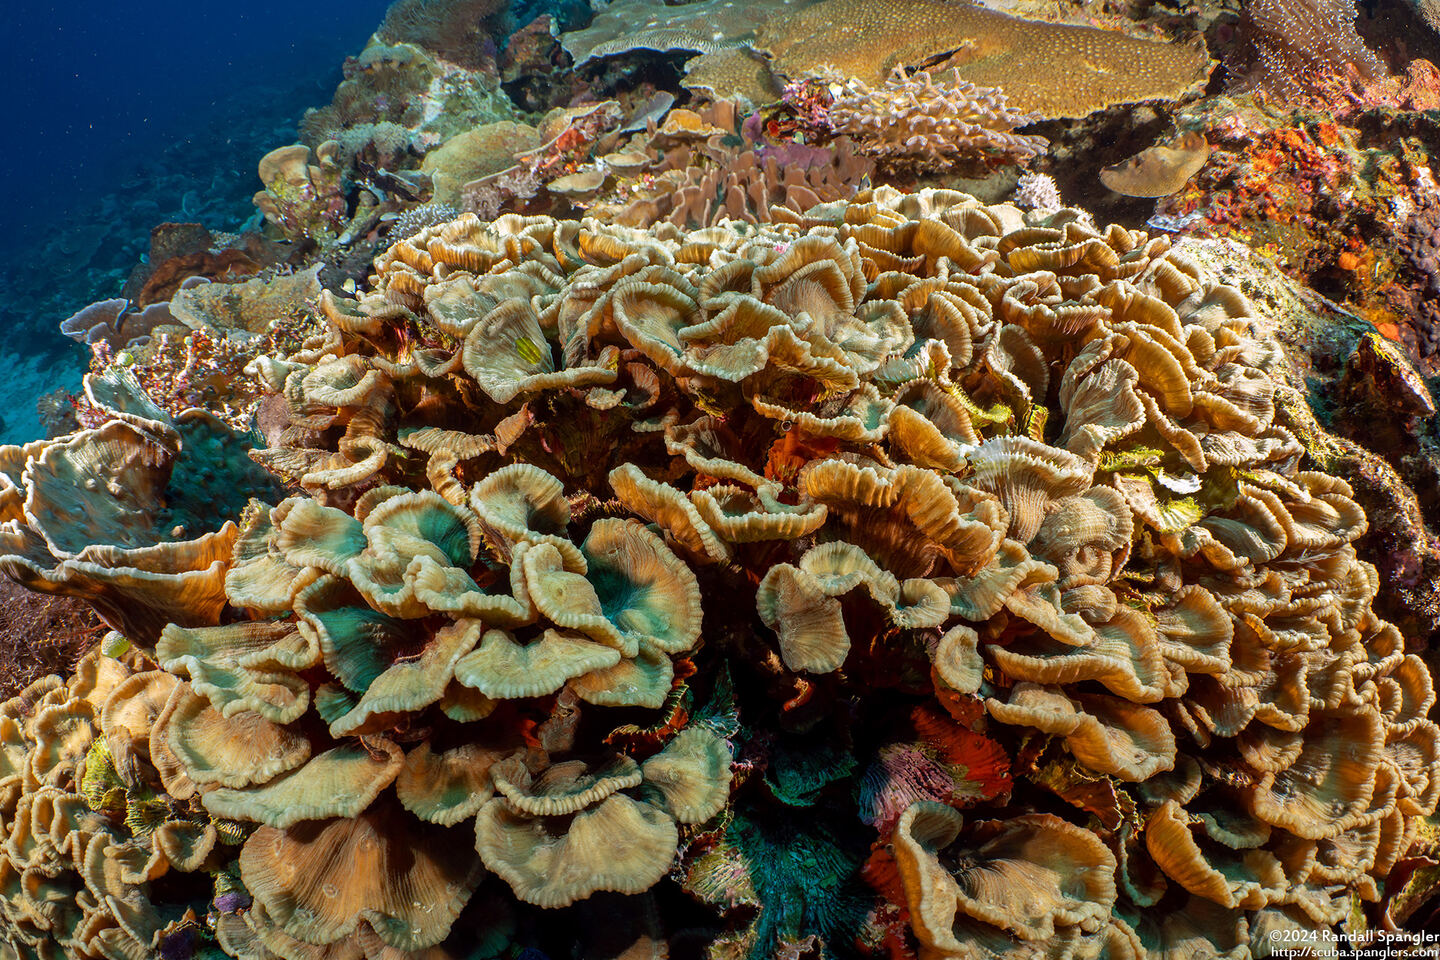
(904, 541)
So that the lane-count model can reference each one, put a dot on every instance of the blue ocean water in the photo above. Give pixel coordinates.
(124, 116)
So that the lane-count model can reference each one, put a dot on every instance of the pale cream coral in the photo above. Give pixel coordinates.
(1030, 877)
(921, 441)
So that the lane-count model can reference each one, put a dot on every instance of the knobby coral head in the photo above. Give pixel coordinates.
(908, 539)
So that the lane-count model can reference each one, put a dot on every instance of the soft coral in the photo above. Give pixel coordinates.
(1300, 50)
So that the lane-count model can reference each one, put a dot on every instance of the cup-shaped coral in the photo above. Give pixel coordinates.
(87, 514)
(94, 846)
(303, 199)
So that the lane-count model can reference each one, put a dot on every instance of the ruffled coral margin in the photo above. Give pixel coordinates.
(741, 557)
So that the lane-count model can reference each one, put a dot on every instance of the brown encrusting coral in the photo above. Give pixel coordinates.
(739, 561)
(1055, 70)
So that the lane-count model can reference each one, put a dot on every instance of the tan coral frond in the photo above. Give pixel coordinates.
(395, 868)
(622, 845)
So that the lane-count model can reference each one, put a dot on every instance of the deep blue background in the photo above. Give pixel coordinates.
(93, 90)
(122, 116)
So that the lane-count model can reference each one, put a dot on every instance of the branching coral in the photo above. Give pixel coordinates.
(699, 167)
(226, 326)
(1038, 192)
(415, 219)
(915, 123)
(770, 548)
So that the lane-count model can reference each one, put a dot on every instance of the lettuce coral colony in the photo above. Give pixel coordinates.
(676, 544)
(905, 571)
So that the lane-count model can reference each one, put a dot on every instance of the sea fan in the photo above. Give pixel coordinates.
(450, 29)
